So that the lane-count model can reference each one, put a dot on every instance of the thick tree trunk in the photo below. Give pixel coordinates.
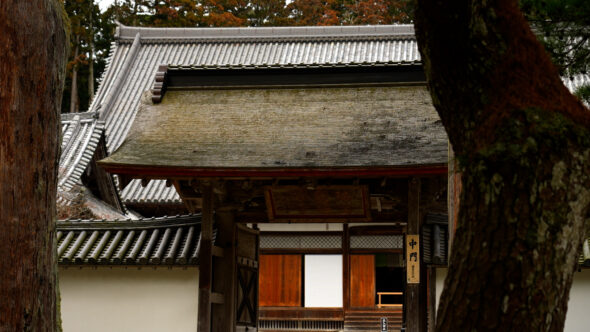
(523, 144)
(32, 64)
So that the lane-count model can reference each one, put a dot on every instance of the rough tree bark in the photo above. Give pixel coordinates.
(523, 143)
(32, 64)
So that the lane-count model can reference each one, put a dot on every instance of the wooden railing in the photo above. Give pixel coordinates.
(381, 304)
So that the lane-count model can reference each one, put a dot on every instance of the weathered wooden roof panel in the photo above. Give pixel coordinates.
(298, 127)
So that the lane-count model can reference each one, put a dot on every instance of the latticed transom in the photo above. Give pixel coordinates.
(377, 242)
(300, 241)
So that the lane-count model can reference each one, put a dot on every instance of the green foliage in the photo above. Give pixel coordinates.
(91, 31)
(583, 93)
(564, 28)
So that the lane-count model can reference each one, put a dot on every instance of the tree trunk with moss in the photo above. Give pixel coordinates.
(32, 64)
(523, 144)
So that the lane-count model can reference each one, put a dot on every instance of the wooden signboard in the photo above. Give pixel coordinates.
(322, 203)
(413, 259)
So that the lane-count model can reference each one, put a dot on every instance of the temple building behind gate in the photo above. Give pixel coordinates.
(297, 178)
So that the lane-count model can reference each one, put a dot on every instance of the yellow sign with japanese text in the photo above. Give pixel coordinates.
(413, 259)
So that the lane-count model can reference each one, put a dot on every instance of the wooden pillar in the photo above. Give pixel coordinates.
(423, 305)
(431, 298)
(205, 260)
(345, 267)
(224, 271)
(412, 295)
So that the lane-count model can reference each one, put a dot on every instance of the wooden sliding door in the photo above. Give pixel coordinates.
(280, 280)
(362, 281)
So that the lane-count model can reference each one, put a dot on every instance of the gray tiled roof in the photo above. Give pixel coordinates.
(138, 52)
(81, 133)
(155, 192)
(155, 241)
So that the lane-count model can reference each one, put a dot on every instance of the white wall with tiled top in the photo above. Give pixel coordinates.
(128, 300)
(578, 311)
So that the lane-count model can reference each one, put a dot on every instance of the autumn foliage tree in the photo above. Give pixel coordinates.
(523, 145)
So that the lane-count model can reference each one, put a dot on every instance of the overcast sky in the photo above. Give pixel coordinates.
(103, 4)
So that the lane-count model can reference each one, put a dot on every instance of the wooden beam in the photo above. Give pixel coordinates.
(278, 172)
(412, 307)
(206, 260)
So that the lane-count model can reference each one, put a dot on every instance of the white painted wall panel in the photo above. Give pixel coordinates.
(441, 274)
(323, 280)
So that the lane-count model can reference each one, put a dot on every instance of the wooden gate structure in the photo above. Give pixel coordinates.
(357, 145)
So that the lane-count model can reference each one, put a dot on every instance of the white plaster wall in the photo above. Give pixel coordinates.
(128, 300)
(323, 281)
(441, 274)
(578, 313)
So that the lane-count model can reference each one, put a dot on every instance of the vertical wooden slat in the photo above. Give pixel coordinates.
(412, 296)
(205, 261)
(280, 280)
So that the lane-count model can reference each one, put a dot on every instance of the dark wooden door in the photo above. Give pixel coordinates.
(248, 263)
(362, 281)
(280, 280)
